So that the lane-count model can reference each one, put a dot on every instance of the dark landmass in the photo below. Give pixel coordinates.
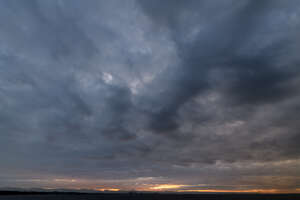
(13, 195)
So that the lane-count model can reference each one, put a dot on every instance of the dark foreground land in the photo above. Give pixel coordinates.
(141, 196)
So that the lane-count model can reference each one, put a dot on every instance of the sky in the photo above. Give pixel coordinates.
(150, 95)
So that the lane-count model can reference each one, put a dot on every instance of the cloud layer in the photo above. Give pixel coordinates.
(203, 94)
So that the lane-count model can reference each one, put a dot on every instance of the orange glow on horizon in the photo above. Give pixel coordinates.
(269, 191)
(107, 189)
(166, 186)
(179, 188)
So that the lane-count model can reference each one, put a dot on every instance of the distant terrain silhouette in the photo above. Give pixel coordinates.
(14, 195)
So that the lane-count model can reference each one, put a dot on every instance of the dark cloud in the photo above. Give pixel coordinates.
(153, 91)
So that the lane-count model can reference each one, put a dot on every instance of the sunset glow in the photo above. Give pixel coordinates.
(166, 187)
(107, 189)
(264, 191)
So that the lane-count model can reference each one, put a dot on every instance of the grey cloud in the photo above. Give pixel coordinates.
(149, 88)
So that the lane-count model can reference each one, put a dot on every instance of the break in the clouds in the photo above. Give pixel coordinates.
(150, 95)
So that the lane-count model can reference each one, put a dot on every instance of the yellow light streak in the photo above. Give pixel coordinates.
(239, 191)
(166, 187)
(107, 189)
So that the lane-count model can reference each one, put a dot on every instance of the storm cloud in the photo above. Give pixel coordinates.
(133, 94)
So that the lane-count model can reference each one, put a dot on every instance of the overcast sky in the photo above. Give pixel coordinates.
(200, 95)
